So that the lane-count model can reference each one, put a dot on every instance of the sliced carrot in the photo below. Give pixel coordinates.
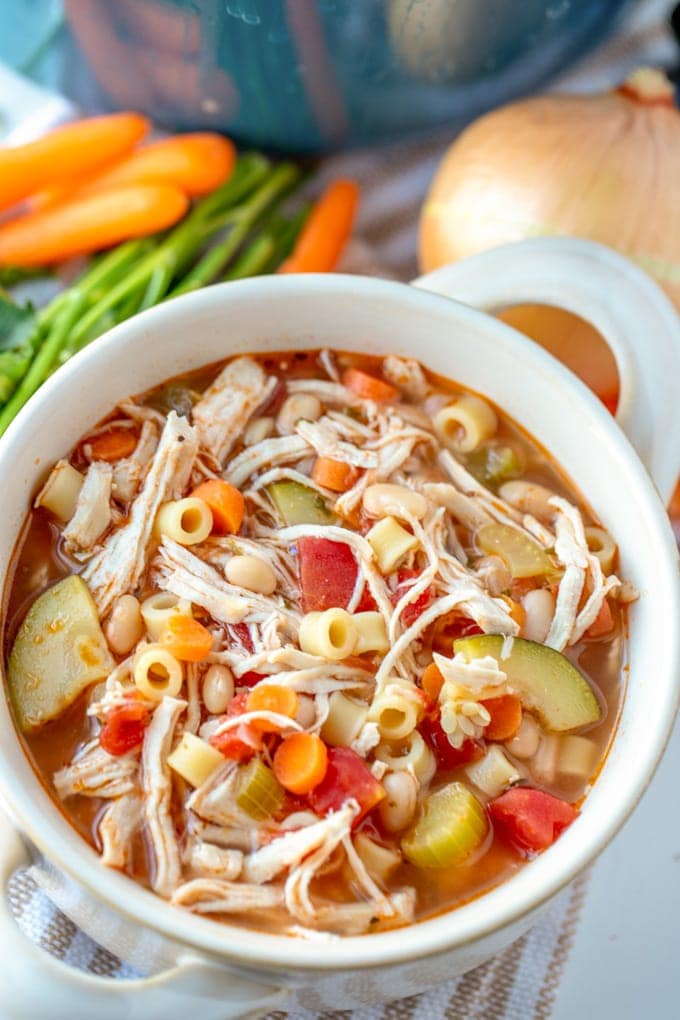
(506, 715)
(81, 226)
(368, 386)
(603, 622)
(516, 610)
(300, 762)
(334, 474)
(67, 152)
(111, 446)
(186, 638)
(196, 164)
(432, 681)
(271, 698)
(227, 505)
(326, 231)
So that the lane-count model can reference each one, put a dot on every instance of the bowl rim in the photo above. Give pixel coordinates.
(514, 899)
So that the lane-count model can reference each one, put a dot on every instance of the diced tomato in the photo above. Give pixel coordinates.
(241, 742)
(451, 627)
(347, 777)
(240, 632)
(412, 611)
(603, 623)
(530, 820)
(367, 603)
(328, 573)
(448, 757)
(250, 678)
(124, 727)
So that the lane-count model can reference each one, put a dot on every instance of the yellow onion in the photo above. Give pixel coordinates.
(604, 167)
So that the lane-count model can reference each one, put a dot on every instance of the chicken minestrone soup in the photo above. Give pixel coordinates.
(314, 642)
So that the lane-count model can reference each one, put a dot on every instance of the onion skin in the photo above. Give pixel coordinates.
(602, 167)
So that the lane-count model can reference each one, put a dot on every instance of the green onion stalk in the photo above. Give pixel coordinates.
(236, 231)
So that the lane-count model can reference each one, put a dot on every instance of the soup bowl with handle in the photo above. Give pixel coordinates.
(222, 970)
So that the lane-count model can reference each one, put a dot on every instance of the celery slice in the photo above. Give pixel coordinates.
(299, 505)
(494, 463)
(524, 556)
(59, 651)
(452, 825)
(258, 791)
(546, 681)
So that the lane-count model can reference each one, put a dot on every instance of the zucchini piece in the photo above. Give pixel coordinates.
(59, 651)
(452, 825)
(299, 505)
(524, 556)
(544, 679)
(258, 791)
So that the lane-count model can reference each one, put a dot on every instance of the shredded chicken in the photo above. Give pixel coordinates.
(358, 918)
(95, 773)
(207, 860)
(407, 376)
(119, 823)
(227, 405)
(217, 896)
(118, 566)
(129, 472)
(269, 453)
(290, 850)
(157, 789)
(297, 885)
(93, 509)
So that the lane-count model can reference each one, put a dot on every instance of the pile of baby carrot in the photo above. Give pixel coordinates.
(161, 218)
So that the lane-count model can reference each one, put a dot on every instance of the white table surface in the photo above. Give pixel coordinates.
(625, 961)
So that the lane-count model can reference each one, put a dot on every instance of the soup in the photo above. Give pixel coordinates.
(314, 642)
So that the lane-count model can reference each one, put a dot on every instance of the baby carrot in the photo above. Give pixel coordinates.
(113, 445)
(226, 502)
(271, 698)
(67, 152)
(194, 163)
(506, 715)
(84, 225)
(186, 638)
(334, 474)
(367, 386)
(326, 230)
(300, 762)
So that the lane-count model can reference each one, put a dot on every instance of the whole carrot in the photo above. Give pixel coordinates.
(326, 230)
(67, 152)
(194, 163)
(88, 224)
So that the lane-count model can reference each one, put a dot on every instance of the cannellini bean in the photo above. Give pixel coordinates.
(295, 407)
(385, 499)
(530, 498)
(539, 607)
(306, 711)
(218, 688)
(525, 742)
(257, 430)
(399, 804)
(124, 627)
(252, 573)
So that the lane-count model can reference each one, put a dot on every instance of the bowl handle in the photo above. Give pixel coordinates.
(34, 984)
(632, 313)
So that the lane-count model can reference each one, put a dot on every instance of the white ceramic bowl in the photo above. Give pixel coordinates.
(227, 971)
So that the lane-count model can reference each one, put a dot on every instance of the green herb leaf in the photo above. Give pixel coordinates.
(17, 323)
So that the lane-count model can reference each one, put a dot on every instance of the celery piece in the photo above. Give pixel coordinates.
(299, 505)
(258, 791)
(452, 825)
(524, 556)
(545, 680)
(59, 651)
(494, 463)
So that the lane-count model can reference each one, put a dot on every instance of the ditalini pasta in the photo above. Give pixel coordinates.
(335, 648)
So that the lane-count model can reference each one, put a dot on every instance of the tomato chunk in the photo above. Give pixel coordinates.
(448, 757)
(412, 611)
(530, 820)
(451, 627)
(328, 573)
(125, 726)
(347, 777)
(241, 742)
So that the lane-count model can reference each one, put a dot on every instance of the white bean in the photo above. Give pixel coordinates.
(384, 499)
(399, 804)
(530, 498)
(525, 742)
(306, 711)
(252, 573)
(218, 688)
(257, 430)
(295, 407)
(124, 627)
(539, 606)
